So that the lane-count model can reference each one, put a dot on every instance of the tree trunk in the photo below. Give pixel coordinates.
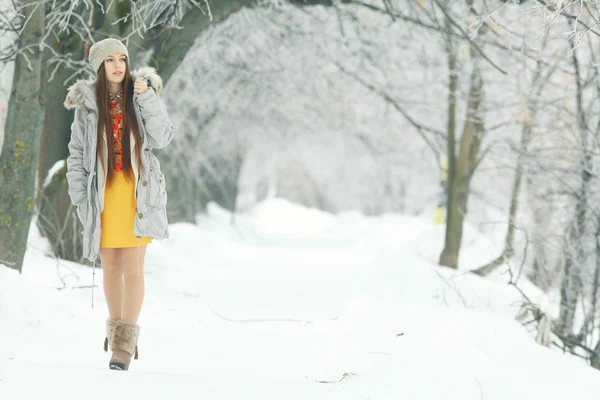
(57, 125)
(570, 288)
(569, 295)
(18, 160)
(514, 202)
(510, 234)
(58, 221)
(589, 324)
(56, 128)
(451, 145)
(537, 86)
(595, 358)
(460, 180)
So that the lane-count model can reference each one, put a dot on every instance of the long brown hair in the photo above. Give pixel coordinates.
(105, 124)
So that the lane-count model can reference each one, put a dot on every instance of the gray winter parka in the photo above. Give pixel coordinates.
(86, 176)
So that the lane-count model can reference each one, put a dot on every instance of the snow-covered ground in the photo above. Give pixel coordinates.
(290, 303)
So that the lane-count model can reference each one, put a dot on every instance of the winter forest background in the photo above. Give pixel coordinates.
(482, 114)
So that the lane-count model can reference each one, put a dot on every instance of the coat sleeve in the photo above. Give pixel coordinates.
(155, 118)
(77, 176)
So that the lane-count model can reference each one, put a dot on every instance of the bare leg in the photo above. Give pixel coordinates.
(133, 293)
(113, 280)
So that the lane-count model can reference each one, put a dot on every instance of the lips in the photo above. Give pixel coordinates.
(118, 73)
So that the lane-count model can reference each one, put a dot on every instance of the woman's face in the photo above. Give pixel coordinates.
(115, 66)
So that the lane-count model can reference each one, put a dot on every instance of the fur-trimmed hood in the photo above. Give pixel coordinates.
(82, 92)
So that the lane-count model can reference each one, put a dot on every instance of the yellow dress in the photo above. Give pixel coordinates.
(119, 195)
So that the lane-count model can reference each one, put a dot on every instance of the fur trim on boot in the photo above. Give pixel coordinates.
(110, 328)
(124, 345)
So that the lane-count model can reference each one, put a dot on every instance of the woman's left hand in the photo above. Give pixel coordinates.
(140, 86)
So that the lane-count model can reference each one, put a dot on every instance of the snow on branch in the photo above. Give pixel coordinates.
(581, 16)
(68, 19)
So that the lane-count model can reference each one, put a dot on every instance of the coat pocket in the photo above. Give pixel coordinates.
(157, 188)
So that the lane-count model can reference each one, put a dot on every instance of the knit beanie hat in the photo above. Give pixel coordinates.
(102, 49)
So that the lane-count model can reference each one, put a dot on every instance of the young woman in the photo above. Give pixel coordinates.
(116, 184)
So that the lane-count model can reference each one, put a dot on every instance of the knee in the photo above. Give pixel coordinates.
(111, 268)
(130, 272)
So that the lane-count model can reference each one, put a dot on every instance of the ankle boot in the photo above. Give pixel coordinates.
(124, 345)
(110, 328)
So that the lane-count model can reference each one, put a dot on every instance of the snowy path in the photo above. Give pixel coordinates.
(292, 304)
